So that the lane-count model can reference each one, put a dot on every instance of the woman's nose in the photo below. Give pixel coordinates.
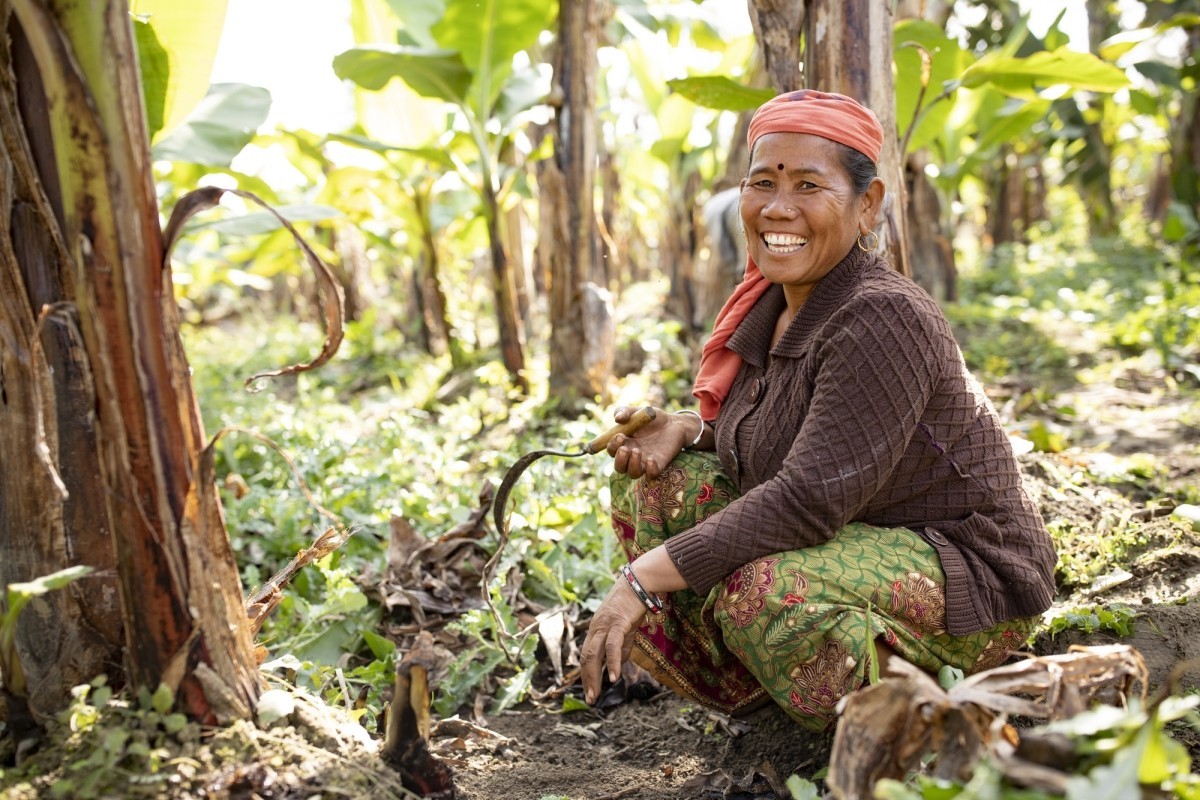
(780, 206)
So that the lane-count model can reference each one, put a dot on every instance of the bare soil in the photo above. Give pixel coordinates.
(657, 749)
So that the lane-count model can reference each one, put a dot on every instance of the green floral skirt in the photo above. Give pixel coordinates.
(791, 627)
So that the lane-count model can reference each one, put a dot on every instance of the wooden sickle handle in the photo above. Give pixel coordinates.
(634, 424)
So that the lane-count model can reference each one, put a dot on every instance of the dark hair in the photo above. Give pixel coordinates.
(858, 166)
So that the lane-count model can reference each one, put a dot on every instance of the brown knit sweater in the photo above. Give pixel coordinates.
(865, 412)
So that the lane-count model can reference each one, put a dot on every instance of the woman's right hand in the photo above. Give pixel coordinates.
(648, 451)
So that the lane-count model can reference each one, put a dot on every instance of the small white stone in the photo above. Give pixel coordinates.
(273, 705)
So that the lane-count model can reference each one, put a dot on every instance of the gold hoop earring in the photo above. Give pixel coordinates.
(870, 236)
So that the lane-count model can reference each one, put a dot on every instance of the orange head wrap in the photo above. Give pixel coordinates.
(833, 116)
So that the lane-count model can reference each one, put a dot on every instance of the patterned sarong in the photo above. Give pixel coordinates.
(791, 627)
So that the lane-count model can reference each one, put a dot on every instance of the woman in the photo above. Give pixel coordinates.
(846, 488)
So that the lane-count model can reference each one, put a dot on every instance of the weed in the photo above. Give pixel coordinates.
(1019, 311)
(1086, 552)
(485, 653)
(800, 789)
(116, 747)
(107, 744)
(1117, 618)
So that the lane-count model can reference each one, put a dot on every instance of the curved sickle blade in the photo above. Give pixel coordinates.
(501, 501)
(636, 422)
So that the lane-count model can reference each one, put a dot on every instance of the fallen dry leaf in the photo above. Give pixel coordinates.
(886, 729)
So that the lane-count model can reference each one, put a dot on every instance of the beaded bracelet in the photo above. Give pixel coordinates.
(699, 435)
(648, 600)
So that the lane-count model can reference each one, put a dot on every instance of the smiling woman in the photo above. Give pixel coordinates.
(849, 495)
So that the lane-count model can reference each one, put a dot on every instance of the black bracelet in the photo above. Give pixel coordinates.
(651, 602)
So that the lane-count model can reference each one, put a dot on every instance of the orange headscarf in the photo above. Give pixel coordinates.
(832, 116)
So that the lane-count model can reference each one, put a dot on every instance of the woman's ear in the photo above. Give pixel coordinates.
(872, 202)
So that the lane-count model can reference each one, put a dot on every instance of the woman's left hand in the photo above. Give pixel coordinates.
(610, 637)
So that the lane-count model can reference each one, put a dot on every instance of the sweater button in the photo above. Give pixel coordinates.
(935, 536)
(731, 461)
(756, 389)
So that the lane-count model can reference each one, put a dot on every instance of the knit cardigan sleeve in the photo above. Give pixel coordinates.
(879, 361)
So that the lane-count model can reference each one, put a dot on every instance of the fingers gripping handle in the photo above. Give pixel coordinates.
(634, 424)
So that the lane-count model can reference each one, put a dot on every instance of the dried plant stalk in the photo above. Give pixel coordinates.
(887, 728)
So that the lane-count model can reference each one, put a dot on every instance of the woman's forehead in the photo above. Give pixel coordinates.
(790, 151)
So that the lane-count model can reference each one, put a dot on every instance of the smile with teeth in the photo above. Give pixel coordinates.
(784, 242)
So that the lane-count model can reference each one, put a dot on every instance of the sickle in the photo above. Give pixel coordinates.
(635, 423)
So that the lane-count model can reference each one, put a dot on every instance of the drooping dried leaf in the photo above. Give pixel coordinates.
(886, 729)
(332, 295)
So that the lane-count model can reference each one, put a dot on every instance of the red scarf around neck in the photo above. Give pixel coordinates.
(718, 364)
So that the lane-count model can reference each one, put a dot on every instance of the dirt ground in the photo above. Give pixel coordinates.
(663, 748)
(657, 749)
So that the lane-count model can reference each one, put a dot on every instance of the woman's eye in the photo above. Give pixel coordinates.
(807, 185)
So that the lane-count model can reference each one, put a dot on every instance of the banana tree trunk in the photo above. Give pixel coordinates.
(1096, 186)
(677, 248)
(848, 49)
(512, 348)
(1185, 135)
(777, 25)
(581, 349)
(102, 444)
(45, 384)
(435, 326)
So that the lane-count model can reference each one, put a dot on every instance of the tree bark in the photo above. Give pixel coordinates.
(581, 347)
(612, 254)
(1095, 171)
(677, 248)
(86, 230)
(1185, 135)
(522, 276)
(66, 637)
(931, 253)
(435, 326)
(1011, 199)
(848, 49)
(512, 347)
(353, 270)
(1177, 173)
(777, 25)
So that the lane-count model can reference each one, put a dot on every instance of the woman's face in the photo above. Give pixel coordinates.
(799, 209)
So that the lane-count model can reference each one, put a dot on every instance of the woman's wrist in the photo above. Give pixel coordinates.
(691, 444)
(650, 601)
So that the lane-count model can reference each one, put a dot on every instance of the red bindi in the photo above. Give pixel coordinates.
(779, 167)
